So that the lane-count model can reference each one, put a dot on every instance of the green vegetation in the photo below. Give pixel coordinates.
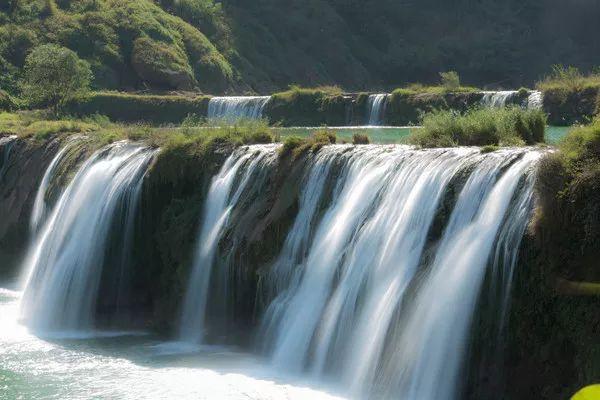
(261, 47)
(126, 107)
(443, 88)
(129, 44)
(100, 131)
(308, 106)
(580, 149)
(450, 80)
(296, 146)
(569, 79)
(55, 75)
(6, 101)
(570, 96)
(480, 127)
(570, 204)
(359, 138)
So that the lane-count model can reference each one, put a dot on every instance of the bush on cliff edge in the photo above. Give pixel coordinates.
(480, 127)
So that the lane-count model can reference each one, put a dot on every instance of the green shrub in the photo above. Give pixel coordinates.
(296, 146)
(55, 75)
(6, 102)
(568, 79)
(490, 148)
(523, 92)
(480, 127)
(359, 138)
(581, 146)
(450, 80)
(290, 143)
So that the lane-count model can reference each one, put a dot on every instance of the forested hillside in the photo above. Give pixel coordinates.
(258, 46)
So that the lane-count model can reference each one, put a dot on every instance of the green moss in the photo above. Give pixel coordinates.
(308, 107)
(127, 107)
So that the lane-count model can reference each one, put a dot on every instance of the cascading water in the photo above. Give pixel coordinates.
(234, 108)
(6, 144)
(225, 191)
(39, 206)
(376, 105)
(498, 99)
(66, 260)
(340, 307)
(535, 101)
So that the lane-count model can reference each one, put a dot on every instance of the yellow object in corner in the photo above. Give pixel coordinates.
(588, 393)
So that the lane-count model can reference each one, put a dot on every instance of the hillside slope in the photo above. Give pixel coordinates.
(259, 46)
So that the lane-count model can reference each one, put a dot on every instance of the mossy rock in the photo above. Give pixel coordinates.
(565, 107)
(127, 107)
(406, 109)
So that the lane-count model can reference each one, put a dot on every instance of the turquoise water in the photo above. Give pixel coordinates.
(130, 366)
(555, 133)
(392, 134)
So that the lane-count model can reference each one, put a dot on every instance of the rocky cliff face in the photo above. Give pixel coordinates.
(22, 166)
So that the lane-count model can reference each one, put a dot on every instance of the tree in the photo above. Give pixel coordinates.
(450, 80)
(55, 75)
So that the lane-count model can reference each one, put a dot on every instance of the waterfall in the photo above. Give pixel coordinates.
(376, 105)
(66, 260)
(39, 205)
(340, 307)
(6, 144)
(535, 101)
(498, 99)
(225, 191)
(234, 108)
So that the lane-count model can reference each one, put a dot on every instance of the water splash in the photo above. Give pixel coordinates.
(234, 108)
(65, 263)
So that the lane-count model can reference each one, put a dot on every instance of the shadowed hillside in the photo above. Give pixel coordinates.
(260, 46)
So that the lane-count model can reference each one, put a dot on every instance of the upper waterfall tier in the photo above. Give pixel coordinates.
(234, 108)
